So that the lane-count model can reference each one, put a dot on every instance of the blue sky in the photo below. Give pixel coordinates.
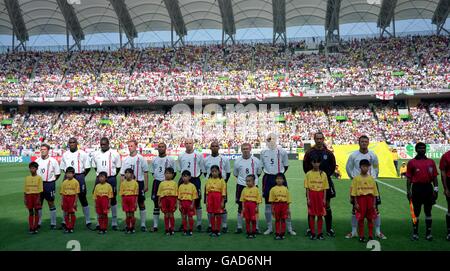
(303, 32)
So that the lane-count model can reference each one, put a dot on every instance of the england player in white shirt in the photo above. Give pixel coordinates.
(353, 169)
(216, 159)
(49, 171)
(139, 166)
(192, 161)
(157, 168)
(274, 160)
(243, 166)
(107, 160)
(80, 161)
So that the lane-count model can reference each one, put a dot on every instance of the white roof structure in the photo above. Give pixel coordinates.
(98, 16)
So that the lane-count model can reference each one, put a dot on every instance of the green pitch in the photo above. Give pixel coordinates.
(396, 223)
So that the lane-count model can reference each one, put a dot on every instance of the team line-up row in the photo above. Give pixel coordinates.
(167, 194)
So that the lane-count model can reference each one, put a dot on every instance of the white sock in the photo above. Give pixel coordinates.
(114, 215)
(377, 225)
(268, 214)
(239, 221)
(289, 224)
(40, 216)
(224, 220)
(143, 217)
(53, 216)
(199, 216)
(87, 214)
(354, 224)
(209, 220)
(155, 221)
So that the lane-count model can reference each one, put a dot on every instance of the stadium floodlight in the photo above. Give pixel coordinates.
(18, 24)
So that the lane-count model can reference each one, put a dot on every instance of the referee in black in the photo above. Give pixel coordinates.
(328, 165)
(422, 188)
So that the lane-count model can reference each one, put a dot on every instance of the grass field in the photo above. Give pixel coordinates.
(394, 213)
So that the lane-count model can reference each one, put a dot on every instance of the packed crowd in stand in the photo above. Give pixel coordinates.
(295, 125)
(418, 62)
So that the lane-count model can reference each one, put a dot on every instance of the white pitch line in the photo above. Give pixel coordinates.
(404, 192)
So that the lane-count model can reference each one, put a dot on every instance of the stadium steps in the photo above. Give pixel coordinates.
(35, 66)
(68, 62)
(138, 60)
(99, 71)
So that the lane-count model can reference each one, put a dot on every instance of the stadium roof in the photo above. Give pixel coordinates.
(43, 17)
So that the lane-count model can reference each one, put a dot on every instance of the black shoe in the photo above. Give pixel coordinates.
(115, 228)
(257, 232)
(308, 233)
(312, 236)
(224, 229)
(143, 229)
(185, 233)
(97, 228)
(448, 237)
(429, 237)
(253, 236)
(71, 230)
(31, 231)
(238, 231)
(172, 232)
(249, 236)
(190, 233)
(62, 226)
(101, 232)
(66, 231)
(320, 237)
(362, 239)
(199, 228)
(38, 227)
(89, 225)
(370, 238)
(415, 237)
(277, 237)
(283, 237)
(155, 229)
(52, 227)
(209, 229)
(331, 233)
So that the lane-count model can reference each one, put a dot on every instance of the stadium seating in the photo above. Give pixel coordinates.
(341, 124)
(412, 62)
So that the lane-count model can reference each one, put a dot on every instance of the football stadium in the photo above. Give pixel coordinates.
(228, 125)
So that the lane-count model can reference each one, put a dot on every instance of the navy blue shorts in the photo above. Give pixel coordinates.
(141, 196)
(82, 181)
(239, 189)
(155, 187)
(268, 182)
(49, 191)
